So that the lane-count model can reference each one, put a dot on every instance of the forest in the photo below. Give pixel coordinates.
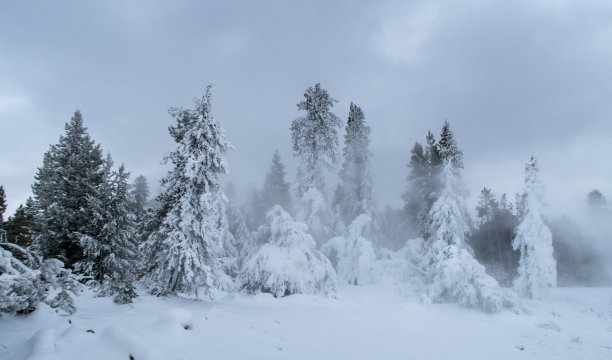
(89, 225)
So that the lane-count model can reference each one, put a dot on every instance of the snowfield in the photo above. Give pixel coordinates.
(362, 322)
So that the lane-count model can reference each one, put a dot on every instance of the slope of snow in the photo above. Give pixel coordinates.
(365, 322)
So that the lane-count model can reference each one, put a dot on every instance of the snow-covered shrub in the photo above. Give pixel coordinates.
(537, 267)
(22, 287)
(313, 210)
(352, 255)
(288, 263)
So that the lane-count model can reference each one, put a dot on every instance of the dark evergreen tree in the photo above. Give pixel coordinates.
(2, 205)
(184, 251)
(110, 256)
(275, 189)
(315, 138)
(448, 149)
(18, 227)
(140, 193)
(354, 193)
(595, 199)
(64, 186)
(492, 238)
(424, 182)
(416, 198)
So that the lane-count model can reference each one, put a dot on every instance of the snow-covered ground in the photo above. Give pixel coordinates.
(369, 322)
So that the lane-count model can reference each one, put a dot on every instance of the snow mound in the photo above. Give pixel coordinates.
(175, 319)
(288, 263)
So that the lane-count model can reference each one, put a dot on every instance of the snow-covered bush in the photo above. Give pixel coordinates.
(537, 267)
(288, 263)
(22, 287)
(353, 255)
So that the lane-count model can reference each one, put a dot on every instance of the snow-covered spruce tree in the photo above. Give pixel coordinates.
(423, 183)
(140, 193)
(184, 250)
(353, 255)
(315, 140)
(288, 262)
(237, 228)
(275, 189)
(537, 267)
(254, 209)
(2, 205)
(451, 272)
(354, 193)
(111, 255)
(71, 174)
(492, 239)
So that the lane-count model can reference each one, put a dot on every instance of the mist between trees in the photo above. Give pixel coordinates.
(88, 224)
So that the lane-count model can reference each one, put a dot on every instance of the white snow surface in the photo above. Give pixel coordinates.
(363, 322)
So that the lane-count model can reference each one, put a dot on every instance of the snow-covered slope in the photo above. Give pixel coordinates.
(366, 322)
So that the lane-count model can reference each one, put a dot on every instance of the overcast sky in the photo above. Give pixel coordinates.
(511, 77)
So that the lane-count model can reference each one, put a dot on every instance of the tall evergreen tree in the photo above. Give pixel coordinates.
(275, 189)
(451, 272)
(184, 250)
(416, 198)
(354, 193)
(315, 138)
(448, 150)
(64, 186)
(537, 267)
(140, 193)
(595, 199)
(2, 205)
(18, 227)
(111, 255)
(492, 239)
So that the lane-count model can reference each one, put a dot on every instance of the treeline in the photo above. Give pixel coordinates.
(95, 226)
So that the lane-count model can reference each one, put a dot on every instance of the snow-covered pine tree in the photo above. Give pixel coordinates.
(354, 193)
(492, 239)
(275, 190)
(140, 193)
(18, 227)
(288, 262)
(423, 183)
(353, 255)
(2, 205)
(110, 256)
(451, 272)
(595, 199)
(71, 174)
(537, 267)
(315, 138)
(255, 213)
(185, 247)
(238, 229)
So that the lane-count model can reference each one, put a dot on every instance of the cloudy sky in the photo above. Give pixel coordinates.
(512, 78)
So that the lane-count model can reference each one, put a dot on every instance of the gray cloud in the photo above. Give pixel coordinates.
(511, 77)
